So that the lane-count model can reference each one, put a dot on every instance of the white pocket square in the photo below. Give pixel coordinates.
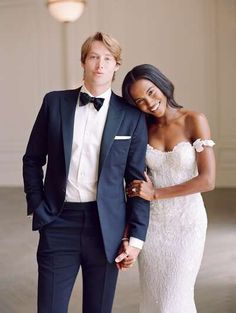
(122, 137)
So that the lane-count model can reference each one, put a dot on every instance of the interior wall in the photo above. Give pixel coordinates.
(191, 41)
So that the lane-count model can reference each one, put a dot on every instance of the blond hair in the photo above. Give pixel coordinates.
(110, 43)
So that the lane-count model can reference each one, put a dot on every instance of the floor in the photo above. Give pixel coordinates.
(216, 284)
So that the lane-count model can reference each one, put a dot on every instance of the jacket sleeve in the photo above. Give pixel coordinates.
(137, 208)
(34, 160)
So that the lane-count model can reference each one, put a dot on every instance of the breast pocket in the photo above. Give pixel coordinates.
(121, 145)
(120, 150)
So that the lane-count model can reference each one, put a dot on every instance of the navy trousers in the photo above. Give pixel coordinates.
(74, 239)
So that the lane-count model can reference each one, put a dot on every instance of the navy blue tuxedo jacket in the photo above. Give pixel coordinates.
(51, 142)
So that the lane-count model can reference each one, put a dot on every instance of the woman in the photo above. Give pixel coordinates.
(181, 165)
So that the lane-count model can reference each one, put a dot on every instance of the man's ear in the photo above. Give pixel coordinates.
(117, 67)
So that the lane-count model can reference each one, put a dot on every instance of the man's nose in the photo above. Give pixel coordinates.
(100, 63)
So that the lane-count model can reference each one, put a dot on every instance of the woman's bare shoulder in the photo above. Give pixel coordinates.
(196, 124)
(193, 117)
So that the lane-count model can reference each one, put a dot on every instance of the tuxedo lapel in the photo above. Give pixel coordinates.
(114, 118)
(68, 105)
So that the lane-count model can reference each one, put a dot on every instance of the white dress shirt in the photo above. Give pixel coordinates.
(87, 135)
(88, 129)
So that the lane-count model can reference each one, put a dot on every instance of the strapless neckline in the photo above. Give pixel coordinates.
(174, 148)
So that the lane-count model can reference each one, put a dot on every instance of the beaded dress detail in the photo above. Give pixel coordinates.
(170, 259)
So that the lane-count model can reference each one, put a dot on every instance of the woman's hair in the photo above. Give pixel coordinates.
(151, 73)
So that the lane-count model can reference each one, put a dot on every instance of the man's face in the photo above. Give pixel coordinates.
(99, 66)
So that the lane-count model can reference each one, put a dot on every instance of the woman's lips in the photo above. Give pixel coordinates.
(155, 106)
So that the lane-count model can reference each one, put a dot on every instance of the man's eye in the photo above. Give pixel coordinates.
(107, 59)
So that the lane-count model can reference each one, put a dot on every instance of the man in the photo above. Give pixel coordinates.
(91, 141)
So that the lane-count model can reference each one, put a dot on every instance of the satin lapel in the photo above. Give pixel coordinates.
(68, 105)
(114, 118)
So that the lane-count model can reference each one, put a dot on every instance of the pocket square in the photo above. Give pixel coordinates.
(122, 137)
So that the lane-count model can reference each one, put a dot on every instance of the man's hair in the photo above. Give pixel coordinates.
(110, 43)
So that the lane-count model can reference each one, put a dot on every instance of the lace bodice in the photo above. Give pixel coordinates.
(172, 167)
(176, 166)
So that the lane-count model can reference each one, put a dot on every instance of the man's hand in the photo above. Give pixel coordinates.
(127, 256)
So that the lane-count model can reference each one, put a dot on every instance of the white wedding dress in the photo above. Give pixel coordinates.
(172, 253)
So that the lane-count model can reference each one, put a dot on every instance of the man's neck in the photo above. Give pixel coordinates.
(96, 90)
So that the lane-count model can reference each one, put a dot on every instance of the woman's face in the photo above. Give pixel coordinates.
(148, 97)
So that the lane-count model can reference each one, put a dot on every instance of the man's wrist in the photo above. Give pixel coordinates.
(136, 243)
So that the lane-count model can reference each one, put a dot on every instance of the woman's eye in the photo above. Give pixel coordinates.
(139, 102)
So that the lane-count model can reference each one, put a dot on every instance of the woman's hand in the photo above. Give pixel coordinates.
(142, 189)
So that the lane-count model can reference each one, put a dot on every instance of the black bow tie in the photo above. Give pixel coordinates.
(85, 99)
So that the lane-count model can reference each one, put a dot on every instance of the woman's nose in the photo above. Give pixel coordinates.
(150, 101)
